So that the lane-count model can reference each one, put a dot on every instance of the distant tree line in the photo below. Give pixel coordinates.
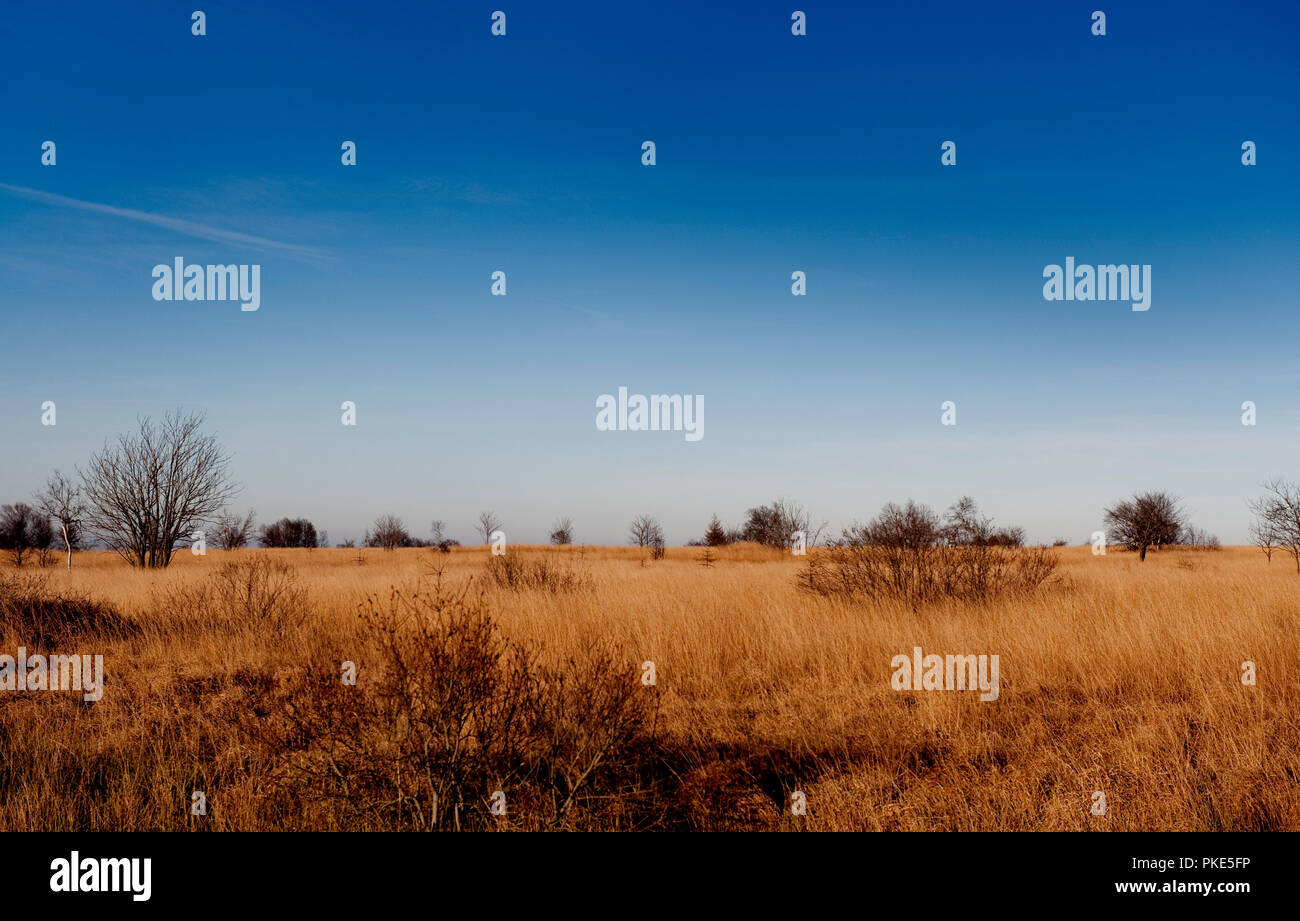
(165, 485)
(25, 532)
(144, 494)
(773, 525)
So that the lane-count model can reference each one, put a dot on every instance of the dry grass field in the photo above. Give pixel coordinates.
(1118, 676)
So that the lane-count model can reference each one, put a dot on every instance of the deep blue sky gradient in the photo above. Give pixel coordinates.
(775, 153)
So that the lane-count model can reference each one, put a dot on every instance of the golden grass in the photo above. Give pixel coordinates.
(1122, 677)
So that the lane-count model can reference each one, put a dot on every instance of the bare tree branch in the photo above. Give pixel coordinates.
(152, 488)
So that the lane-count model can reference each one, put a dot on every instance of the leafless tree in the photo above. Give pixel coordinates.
(289, 532)
(487, 523)
(1277, 518)
(1194, 538)
(1149, 519)
(61, 501)
(645, 531)
(439, 531)
(1264, 534)
(440, 538)
(153, 487)
(964, 525)
(24, 530)
(233, 532)
(388, 532)
(775, 525)
(562, 531)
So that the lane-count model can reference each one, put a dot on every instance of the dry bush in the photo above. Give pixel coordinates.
(516, 572)
(259, 595)
(773, 525)
(262, 592)
(908, 552)
(1200, 540)
(44, 618)
(926, 574)
(448, 712)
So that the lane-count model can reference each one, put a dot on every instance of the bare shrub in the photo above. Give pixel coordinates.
(263, 593)
(44, 618)
(233, 532)
(1193, 538)
(440, 539)
(591, 718)
(772, 525)
(562, 532)
(259, 595)
(909, 552)
(455, 712)
(515, 572)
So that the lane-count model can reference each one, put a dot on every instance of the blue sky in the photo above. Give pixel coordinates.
(775, 153)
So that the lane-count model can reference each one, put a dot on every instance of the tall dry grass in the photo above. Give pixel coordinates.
(1120, 676)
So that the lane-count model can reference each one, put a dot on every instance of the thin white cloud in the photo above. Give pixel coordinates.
(189, 228)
